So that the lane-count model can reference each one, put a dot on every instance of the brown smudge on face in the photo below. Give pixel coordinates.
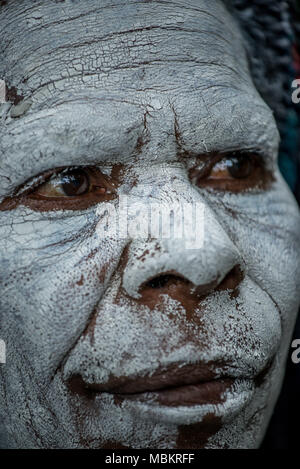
(118, 174)
(152, 298)
(90, 327)
(9, 203)
(12, 92)
(80, 281)
(139, 145)
(142, 258)
(88, 257)
(103, 272)
(196, 436)
(120, 268)
(142, 139)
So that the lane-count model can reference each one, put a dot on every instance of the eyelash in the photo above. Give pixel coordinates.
(42, 179)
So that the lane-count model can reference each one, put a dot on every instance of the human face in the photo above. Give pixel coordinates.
(118, 342)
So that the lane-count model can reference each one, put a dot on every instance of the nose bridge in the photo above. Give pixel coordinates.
(207, 264)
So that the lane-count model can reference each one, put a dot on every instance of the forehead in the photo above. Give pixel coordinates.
(161, 45)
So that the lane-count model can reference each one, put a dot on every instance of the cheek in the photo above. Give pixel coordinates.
(265, 228)
(54, 274)
(273, 258)
(246, 331)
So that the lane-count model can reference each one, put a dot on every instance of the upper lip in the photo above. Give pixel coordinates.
(164, 378)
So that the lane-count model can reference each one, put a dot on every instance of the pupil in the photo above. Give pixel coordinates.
(239, 167)
(74, 183)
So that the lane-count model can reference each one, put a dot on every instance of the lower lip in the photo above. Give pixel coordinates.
(190, 404)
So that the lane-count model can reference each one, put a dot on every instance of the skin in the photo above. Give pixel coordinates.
(143, 91)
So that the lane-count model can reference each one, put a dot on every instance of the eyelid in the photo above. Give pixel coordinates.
(51, 174)
(40, 179)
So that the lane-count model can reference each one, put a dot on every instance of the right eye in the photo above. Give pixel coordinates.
(66, 189)
(69, 183)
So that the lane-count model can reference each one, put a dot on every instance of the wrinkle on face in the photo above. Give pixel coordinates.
(146, 27)
(137, 91)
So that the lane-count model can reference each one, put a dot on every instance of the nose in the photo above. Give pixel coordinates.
(167, 267)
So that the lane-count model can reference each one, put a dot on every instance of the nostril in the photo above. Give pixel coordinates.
(158, 282)
(170, 283)
(161, 281)
(232, 279)
(230, 282)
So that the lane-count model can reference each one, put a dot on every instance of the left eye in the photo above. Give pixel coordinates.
(236, 167)
(233, 172)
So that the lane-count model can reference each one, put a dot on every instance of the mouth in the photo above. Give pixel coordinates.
(210, 392)
(175, 386)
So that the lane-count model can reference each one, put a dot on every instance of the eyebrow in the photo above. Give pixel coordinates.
(247, 125)
(45, 140)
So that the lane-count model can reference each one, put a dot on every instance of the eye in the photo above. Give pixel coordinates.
(65, 189)
(233, 172)
(235, 167)
(69, 183)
